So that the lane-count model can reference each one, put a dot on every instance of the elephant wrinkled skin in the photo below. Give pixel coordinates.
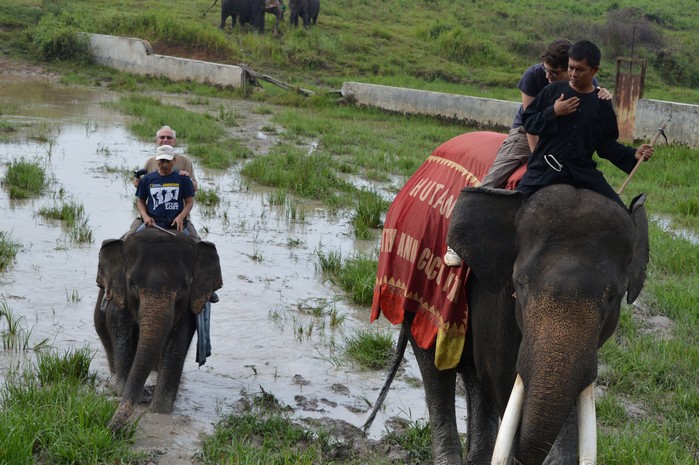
(548, 277)
(152, 286)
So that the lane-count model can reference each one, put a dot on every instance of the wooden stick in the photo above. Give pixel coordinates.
(660, 131)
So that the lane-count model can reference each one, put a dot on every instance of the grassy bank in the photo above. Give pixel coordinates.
(476, 48)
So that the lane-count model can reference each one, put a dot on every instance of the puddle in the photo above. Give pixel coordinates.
(666, 225)
(268, 265)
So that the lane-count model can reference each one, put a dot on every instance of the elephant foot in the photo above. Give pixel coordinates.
(121, 416)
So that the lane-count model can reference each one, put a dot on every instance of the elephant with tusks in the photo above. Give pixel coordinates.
(548, 277)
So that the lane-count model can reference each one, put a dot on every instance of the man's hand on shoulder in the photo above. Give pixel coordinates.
(603, 94)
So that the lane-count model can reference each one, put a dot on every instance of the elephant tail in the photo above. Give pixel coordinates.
(393, 369)
(207, 10)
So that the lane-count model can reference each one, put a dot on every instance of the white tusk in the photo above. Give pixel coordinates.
(587, 426)
(509, 424)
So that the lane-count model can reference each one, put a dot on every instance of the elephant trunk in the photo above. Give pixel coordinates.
(556, 362)
(155, 319)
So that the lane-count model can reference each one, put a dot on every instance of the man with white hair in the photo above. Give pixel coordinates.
(167, 136)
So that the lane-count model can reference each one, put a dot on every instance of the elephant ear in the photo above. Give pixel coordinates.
(639, 262)
(111, 274)
(207, 276)
(482, 232)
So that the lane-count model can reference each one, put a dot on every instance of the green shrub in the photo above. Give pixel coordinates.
(57, 38)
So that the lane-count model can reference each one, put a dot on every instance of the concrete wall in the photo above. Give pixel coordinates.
(476, 111)
(682, 119)
(135, 56)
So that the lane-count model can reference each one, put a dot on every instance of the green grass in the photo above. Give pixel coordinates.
(8, 250)
(477, 49)
(415, 438)
(308, 175)
(371, 349)
(24, 179)
(355, 275)
(68, 417)
(72, 215)
(367, 215)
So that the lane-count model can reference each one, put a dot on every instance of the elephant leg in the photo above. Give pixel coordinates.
(172, 363)
(483, 421)
(440, 391)
(124, 342)
(100, 318)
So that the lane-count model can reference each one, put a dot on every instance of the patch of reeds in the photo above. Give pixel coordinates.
(14, 333)
(356, 275)
(415, 437)
(263, 433)
(371, 349)
(367, 215)
(68, 418)
(72, 215)
(24, 179)
(8, 250)
(208, 198)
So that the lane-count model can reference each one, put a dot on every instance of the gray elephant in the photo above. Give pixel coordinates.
(549, 275)
(152, 286)
(272, 7)
(249, 11)
(307, 9)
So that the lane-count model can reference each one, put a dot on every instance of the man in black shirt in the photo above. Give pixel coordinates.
(572, 123)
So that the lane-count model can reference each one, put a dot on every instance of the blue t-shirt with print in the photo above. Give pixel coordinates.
(164, 195)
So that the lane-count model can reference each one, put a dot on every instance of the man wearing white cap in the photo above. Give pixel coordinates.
(167, 136)
(165, 197)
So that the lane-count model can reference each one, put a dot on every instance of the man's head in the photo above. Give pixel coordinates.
(165, 136)
(165, 156)
(583, 64)
(555, 59)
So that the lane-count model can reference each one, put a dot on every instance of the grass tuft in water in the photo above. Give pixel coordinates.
(8, 250)
(72, 214)
(356, 275)
(24, 179)
(371, 349)
(367, 216)
(13, 331)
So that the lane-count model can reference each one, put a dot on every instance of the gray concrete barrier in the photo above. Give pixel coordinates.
(682, 119)
(136, 56)
(475, 111)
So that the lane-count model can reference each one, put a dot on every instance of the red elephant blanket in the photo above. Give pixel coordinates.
(411, 275)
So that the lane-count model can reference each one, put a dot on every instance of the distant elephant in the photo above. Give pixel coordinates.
(152, 286)
(307, 9)
(273, 7)
(548, 277)
(249, 11)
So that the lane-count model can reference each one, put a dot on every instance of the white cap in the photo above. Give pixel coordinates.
(165, 152)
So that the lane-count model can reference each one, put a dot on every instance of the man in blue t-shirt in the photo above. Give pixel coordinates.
(165, 197)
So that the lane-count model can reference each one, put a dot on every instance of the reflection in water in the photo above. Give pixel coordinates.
(268, 267)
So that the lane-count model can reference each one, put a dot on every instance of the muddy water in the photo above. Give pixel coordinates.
(263, 335)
